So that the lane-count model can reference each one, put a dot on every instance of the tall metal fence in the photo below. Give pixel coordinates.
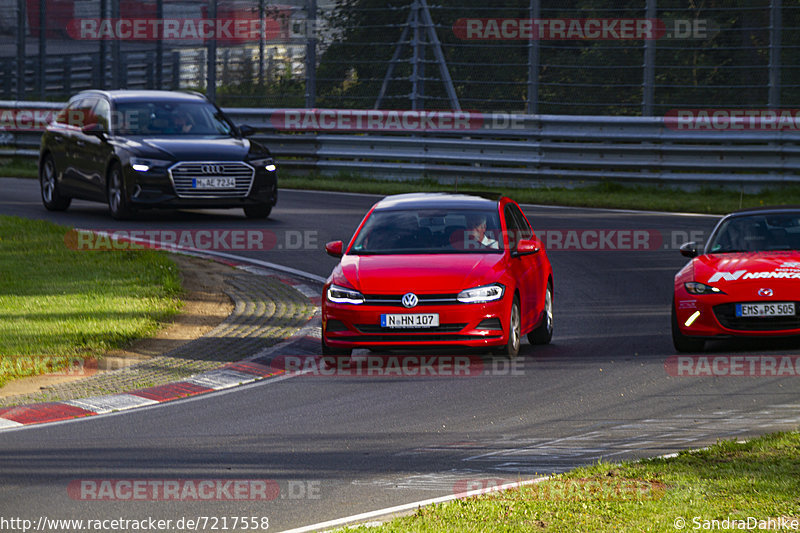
(529, 56)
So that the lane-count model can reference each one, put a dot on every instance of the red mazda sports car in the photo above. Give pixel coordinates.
(439, 269)
(746, 283)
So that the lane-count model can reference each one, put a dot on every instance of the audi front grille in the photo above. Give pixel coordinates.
(183, 176)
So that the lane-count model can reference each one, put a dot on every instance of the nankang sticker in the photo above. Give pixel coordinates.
(783, 272)
(727, 276)
(772, 275)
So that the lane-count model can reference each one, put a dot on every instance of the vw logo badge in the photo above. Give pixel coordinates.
(211, 169)
(410, 300)
(765, 292)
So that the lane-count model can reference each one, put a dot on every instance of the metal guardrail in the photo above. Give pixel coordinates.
(538, 148)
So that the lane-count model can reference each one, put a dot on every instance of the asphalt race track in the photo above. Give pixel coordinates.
(338, 446)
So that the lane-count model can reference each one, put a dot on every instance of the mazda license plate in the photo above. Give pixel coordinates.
(765, 310)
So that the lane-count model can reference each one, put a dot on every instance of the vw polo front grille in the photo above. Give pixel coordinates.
(183, 176)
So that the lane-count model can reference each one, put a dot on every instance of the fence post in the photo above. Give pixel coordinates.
(415, 56)
(775, 28)
(159, 81)
(534, 12)
(211, 69)
(176, 70)
(649, 70)
(261, 32)
(66, 63)
(101, 64)
(21, 49)
(116, 53)
(41, 78)
(311, 54)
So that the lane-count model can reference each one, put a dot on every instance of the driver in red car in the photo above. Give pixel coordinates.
(477, 232)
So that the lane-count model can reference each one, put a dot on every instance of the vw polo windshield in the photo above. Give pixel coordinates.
(427, 231)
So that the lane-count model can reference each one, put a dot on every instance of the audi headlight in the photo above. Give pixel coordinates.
(342, 295)
(267, 164)
(696, 288)
(143, 164)
(485, 293)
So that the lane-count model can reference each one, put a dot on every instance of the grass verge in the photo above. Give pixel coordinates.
(59, 304)
(18, 167)
(745, 483)
(710, 200)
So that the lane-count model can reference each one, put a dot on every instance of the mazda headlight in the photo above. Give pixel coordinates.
(143, 164)
(342, 295)
(267, 164)
(485, 293)
(696, 288)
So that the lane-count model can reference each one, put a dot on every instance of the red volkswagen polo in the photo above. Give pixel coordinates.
(747, 283)
(439, 269)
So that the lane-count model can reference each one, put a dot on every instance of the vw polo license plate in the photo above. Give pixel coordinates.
(765, 310)
(424, 320)
(214, 183)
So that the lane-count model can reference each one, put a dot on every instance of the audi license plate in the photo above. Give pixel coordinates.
(765, 310)
(427, 320)
(214, 183)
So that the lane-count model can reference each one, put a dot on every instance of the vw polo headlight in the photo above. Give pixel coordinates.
(482, 294)
(343, 295)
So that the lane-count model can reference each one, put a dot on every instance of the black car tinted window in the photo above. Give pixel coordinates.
(169, 119)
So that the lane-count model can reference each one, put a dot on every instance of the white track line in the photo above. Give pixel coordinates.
(411, 506)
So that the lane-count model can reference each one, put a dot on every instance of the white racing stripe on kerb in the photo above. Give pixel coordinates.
(221, 379)
(4, 423)
(412, 506)
(112, 402)
(307, 291)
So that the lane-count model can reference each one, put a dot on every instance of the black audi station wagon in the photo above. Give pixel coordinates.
(146, 149)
